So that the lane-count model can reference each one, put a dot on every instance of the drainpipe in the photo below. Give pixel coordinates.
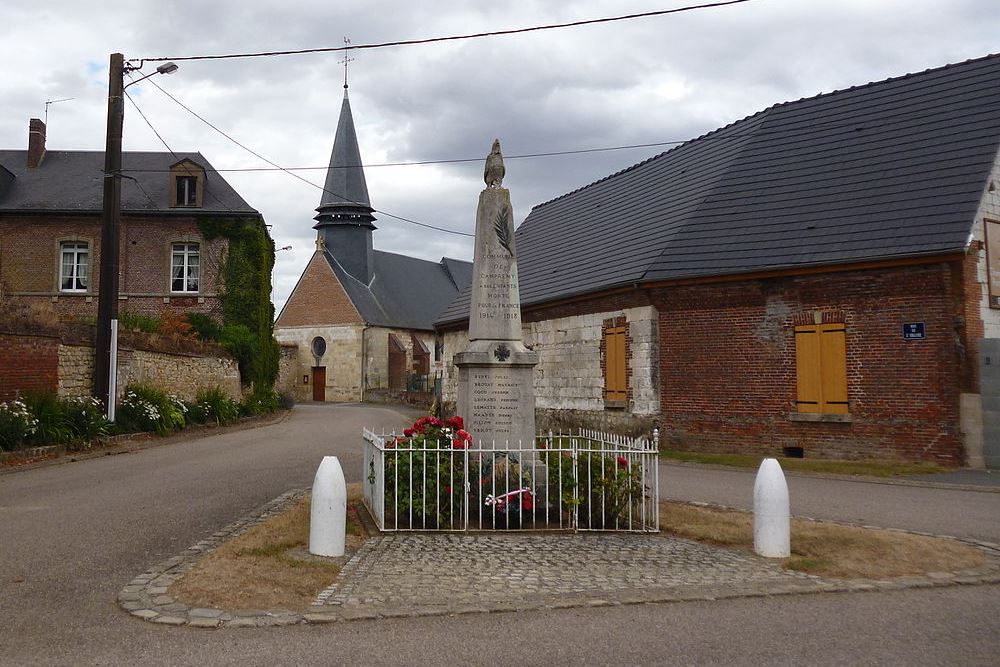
(364, 356)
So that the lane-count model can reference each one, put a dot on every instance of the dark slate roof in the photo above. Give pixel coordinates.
(73, 181)
(345, 177)
(406, 292)
(886, 170)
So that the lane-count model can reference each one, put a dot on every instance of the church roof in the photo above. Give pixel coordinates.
(405, 292)
(345, 186)
(892, 169)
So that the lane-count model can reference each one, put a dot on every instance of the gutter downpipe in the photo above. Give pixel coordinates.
(364, 359)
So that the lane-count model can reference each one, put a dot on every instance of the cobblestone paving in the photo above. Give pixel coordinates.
(434, 569)
(418, 574)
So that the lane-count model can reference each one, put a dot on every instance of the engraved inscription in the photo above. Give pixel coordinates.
(494, 399)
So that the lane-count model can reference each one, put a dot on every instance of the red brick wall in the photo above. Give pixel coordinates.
(28, 363)
(29, 263)
(728, 374)
(318, 298)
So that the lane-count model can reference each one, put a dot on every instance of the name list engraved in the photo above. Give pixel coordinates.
(494, 397)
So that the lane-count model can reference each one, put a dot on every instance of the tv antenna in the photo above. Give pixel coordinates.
(65, 99)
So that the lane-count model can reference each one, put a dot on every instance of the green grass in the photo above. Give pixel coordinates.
(869, 468)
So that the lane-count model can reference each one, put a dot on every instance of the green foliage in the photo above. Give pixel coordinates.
(145, 408)
(53, 426)
(246, 297)
(213, 406)
(86, 419)
(425, 474)
(204, 325)
(260, 402)
(16, 424)
(603, 487)
(138, 322)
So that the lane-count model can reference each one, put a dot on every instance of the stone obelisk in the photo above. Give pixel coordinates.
(496, 392)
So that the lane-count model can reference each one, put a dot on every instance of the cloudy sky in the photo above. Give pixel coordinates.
(642, 81)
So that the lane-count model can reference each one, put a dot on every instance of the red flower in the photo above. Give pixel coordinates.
(408, 432)
(456, 423)
(622, 462)
(464, 435)
(435, 422)
(458, 444)
(447, 490)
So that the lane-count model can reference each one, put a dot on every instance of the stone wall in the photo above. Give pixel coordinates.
(569, 380)
(342, 360)
(180, 374)
(289, 371)
(377, 353)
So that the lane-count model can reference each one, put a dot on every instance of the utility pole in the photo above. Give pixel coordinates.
(107, 300)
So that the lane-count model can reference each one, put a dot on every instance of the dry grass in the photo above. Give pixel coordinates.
(267, 567)
(826, 549)
(871, 468)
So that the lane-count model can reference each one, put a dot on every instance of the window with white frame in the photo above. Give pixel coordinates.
(74, 266)
(187, 191)
(184, 267)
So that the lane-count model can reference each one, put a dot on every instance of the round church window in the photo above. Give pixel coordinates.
(319, 346)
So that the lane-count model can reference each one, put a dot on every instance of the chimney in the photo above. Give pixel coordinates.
(36, 142)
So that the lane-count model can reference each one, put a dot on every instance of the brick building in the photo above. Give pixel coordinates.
(361, 319)
(50, 229)
(815, 279)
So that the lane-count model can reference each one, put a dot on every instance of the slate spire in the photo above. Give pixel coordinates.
(344, 215)
(345, 193)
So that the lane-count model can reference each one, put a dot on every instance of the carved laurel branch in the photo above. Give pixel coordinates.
(502, 226)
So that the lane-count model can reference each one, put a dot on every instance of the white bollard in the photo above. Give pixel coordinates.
(771, 523)
(328, 510)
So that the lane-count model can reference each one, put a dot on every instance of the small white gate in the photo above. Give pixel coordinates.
(583, 481)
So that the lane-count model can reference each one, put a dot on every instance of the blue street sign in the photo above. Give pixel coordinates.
(914, 331)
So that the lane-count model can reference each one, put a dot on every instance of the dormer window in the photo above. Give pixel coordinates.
(187, 184)
(186, 191)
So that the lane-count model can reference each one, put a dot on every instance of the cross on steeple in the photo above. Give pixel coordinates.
(347, 59)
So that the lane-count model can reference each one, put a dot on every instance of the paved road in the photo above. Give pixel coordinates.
(942, 511)
(72, 535)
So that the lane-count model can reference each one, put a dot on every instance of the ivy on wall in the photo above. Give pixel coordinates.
(247, 311)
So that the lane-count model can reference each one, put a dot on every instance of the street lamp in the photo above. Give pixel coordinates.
(106, 343)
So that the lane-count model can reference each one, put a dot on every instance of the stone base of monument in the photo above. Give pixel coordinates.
(496, 393)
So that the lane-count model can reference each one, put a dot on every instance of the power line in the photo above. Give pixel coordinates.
(430, 40)
(172, 152)
(304, 180)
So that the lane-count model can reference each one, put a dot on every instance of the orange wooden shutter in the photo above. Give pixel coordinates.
(615, 376)
(807, 364)
(833, 368)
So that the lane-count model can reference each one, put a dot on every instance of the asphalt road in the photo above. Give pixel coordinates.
(71, 535)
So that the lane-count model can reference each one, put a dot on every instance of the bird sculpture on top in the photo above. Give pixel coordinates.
(493, 174)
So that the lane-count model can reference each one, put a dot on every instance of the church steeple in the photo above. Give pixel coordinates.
(344, 215)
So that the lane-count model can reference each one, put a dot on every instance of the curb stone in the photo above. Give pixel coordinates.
(145, 596)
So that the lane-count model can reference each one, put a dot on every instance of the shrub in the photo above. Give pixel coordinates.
(16, 424)
(287, 400)
(138, 322)
(260, 402)
(145, 408)
(53, 427)
(213, 405)
(86, 419)
(174, 324)
(204, 326)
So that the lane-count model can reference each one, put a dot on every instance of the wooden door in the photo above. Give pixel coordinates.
(319, 383)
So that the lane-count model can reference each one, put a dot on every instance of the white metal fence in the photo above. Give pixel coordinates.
(583, 481)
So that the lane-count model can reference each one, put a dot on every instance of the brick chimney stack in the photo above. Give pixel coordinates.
(36, 142)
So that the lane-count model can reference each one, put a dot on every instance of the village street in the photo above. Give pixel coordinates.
(72, 535)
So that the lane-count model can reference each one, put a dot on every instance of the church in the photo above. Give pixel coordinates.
(362, 320)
